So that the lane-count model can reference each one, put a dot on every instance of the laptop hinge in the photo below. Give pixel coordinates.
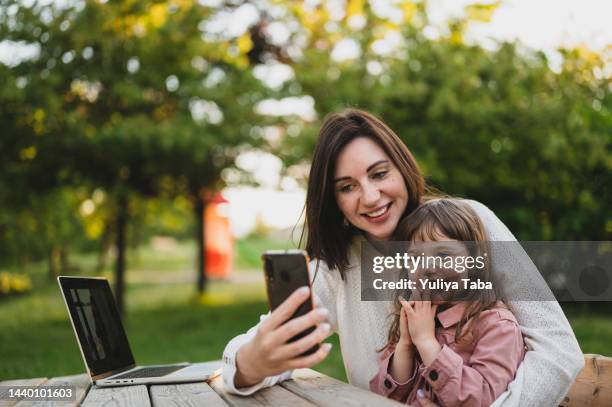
(113, 372)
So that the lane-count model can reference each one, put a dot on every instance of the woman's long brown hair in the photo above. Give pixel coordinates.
(327, 238)
(455, 220)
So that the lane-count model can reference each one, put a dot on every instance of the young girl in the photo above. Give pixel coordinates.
(458, 350)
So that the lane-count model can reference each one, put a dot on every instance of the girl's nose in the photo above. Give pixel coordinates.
(427, 273)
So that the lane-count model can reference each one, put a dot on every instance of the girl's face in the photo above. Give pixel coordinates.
(442, 248)
(369, 189)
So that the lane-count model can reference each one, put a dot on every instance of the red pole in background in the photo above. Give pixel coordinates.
(218, 243)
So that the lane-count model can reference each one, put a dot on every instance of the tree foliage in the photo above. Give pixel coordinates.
(124, 97)
(138, 100)
(500, 126)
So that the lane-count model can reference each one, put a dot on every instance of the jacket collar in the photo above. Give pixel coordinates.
(451, 316)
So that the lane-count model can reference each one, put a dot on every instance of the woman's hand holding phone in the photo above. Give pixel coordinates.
(269, 353)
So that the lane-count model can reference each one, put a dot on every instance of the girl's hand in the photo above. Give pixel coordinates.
(421, 316)
(405, 340)
(421, 324)
(401, 365)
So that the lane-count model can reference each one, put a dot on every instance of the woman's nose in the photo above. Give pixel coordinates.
(370, 196)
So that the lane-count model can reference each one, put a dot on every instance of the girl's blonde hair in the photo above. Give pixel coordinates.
(455, 220)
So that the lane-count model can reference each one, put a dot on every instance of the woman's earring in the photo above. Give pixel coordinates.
(345, 223)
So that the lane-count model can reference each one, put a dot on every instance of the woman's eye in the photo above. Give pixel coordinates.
(346, 188)
(380, 174)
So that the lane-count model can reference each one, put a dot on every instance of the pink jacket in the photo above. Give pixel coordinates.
(472, 374)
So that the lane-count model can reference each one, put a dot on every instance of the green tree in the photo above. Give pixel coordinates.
(500, 126)
(129, 97)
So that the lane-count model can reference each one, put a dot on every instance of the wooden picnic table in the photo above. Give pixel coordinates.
(307, 388)
(593, 387)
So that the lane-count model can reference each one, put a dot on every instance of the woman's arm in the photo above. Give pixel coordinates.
(554, 358)
(233, 380)
(261, 357)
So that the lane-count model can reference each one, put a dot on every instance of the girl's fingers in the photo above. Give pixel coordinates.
(403, 328)
(426, 295)
(409, 310)
(404, 318)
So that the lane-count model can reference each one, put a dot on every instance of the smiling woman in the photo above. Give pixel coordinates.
(369, 189)
(363, 181)
(363, 178)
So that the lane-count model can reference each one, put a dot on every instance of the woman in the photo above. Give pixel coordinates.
(363, 180)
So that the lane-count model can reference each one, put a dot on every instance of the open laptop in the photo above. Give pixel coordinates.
(104, 344)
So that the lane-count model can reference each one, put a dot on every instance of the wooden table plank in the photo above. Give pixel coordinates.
(20, 382)
(306, 388)
(272, 396)
(325, 391)
(118, 396)
(188, 394)
(81, 382)
(593, 386)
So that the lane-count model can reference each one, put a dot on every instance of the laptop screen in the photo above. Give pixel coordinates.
(97, 323)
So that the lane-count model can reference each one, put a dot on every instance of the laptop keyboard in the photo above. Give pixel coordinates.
(148, 372)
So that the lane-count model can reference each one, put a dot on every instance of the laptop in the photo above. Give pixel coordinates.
(104, 344)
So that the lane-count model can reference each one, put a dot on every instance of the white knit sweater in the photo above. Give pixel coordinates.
(550, 366)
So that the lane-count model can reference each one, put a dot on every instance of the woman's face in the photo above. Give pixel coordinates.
(370, 190)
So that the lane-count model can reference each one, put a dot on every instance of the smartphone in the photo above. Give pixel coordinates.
(285, 272)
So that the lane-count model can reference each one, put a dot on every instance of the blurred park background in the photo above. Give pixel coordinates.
(128, 128)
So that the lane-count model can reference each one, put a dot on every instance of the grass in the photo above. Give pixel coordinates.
(249, 250)
(592, 325)
(166, 322)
